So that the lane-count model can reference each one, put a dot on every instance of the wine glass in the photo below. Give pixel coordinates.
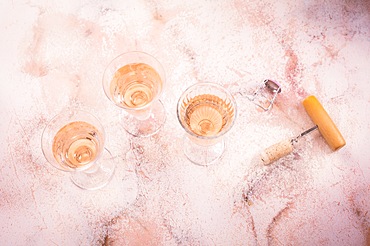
(134, 81)
(207, 112)
(73, 141)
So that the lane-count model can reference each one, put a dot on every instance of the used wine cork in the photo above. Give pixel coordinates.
(325, 124)
(276, 151)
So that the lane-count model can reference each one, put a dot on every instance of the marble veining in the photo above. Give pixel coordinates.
(53, 58)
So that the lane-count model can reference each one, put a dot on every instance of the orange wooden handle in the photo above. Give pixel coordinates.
(325, 124)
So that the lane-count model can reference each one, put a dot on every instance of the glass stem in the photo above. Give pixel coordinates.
(142, 114)
(95, 167)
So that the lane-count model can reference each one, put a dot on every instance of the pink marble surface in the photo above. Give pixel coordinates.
(53, 54)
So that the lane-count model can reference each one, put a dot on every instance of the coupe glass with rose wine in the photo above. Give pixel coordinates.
(207, 112)
(73, 141)
(134, 81)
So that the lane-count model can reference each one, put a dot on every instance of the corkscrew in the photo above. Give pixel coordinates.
(323, 123)
(264, 95)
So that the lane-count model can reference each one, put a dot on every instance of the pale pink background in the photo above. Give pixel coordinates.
(53, 54)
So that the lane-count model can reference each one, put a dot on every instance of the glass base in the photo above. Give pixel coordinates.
(96, 176)
(148, 126)
(203, 155)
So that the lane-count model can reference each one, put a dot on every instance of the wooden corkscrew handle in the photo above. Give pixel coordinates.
(325, 124)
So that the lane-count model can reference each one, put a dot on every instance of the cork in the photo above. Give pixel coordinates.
(276, 151)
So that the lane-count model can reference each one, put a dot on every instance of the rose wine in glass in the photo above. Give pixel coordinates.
(206, 111)
(207, 115)
(134, 81)
(77, 144)
(135, 85)
(73, 142)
